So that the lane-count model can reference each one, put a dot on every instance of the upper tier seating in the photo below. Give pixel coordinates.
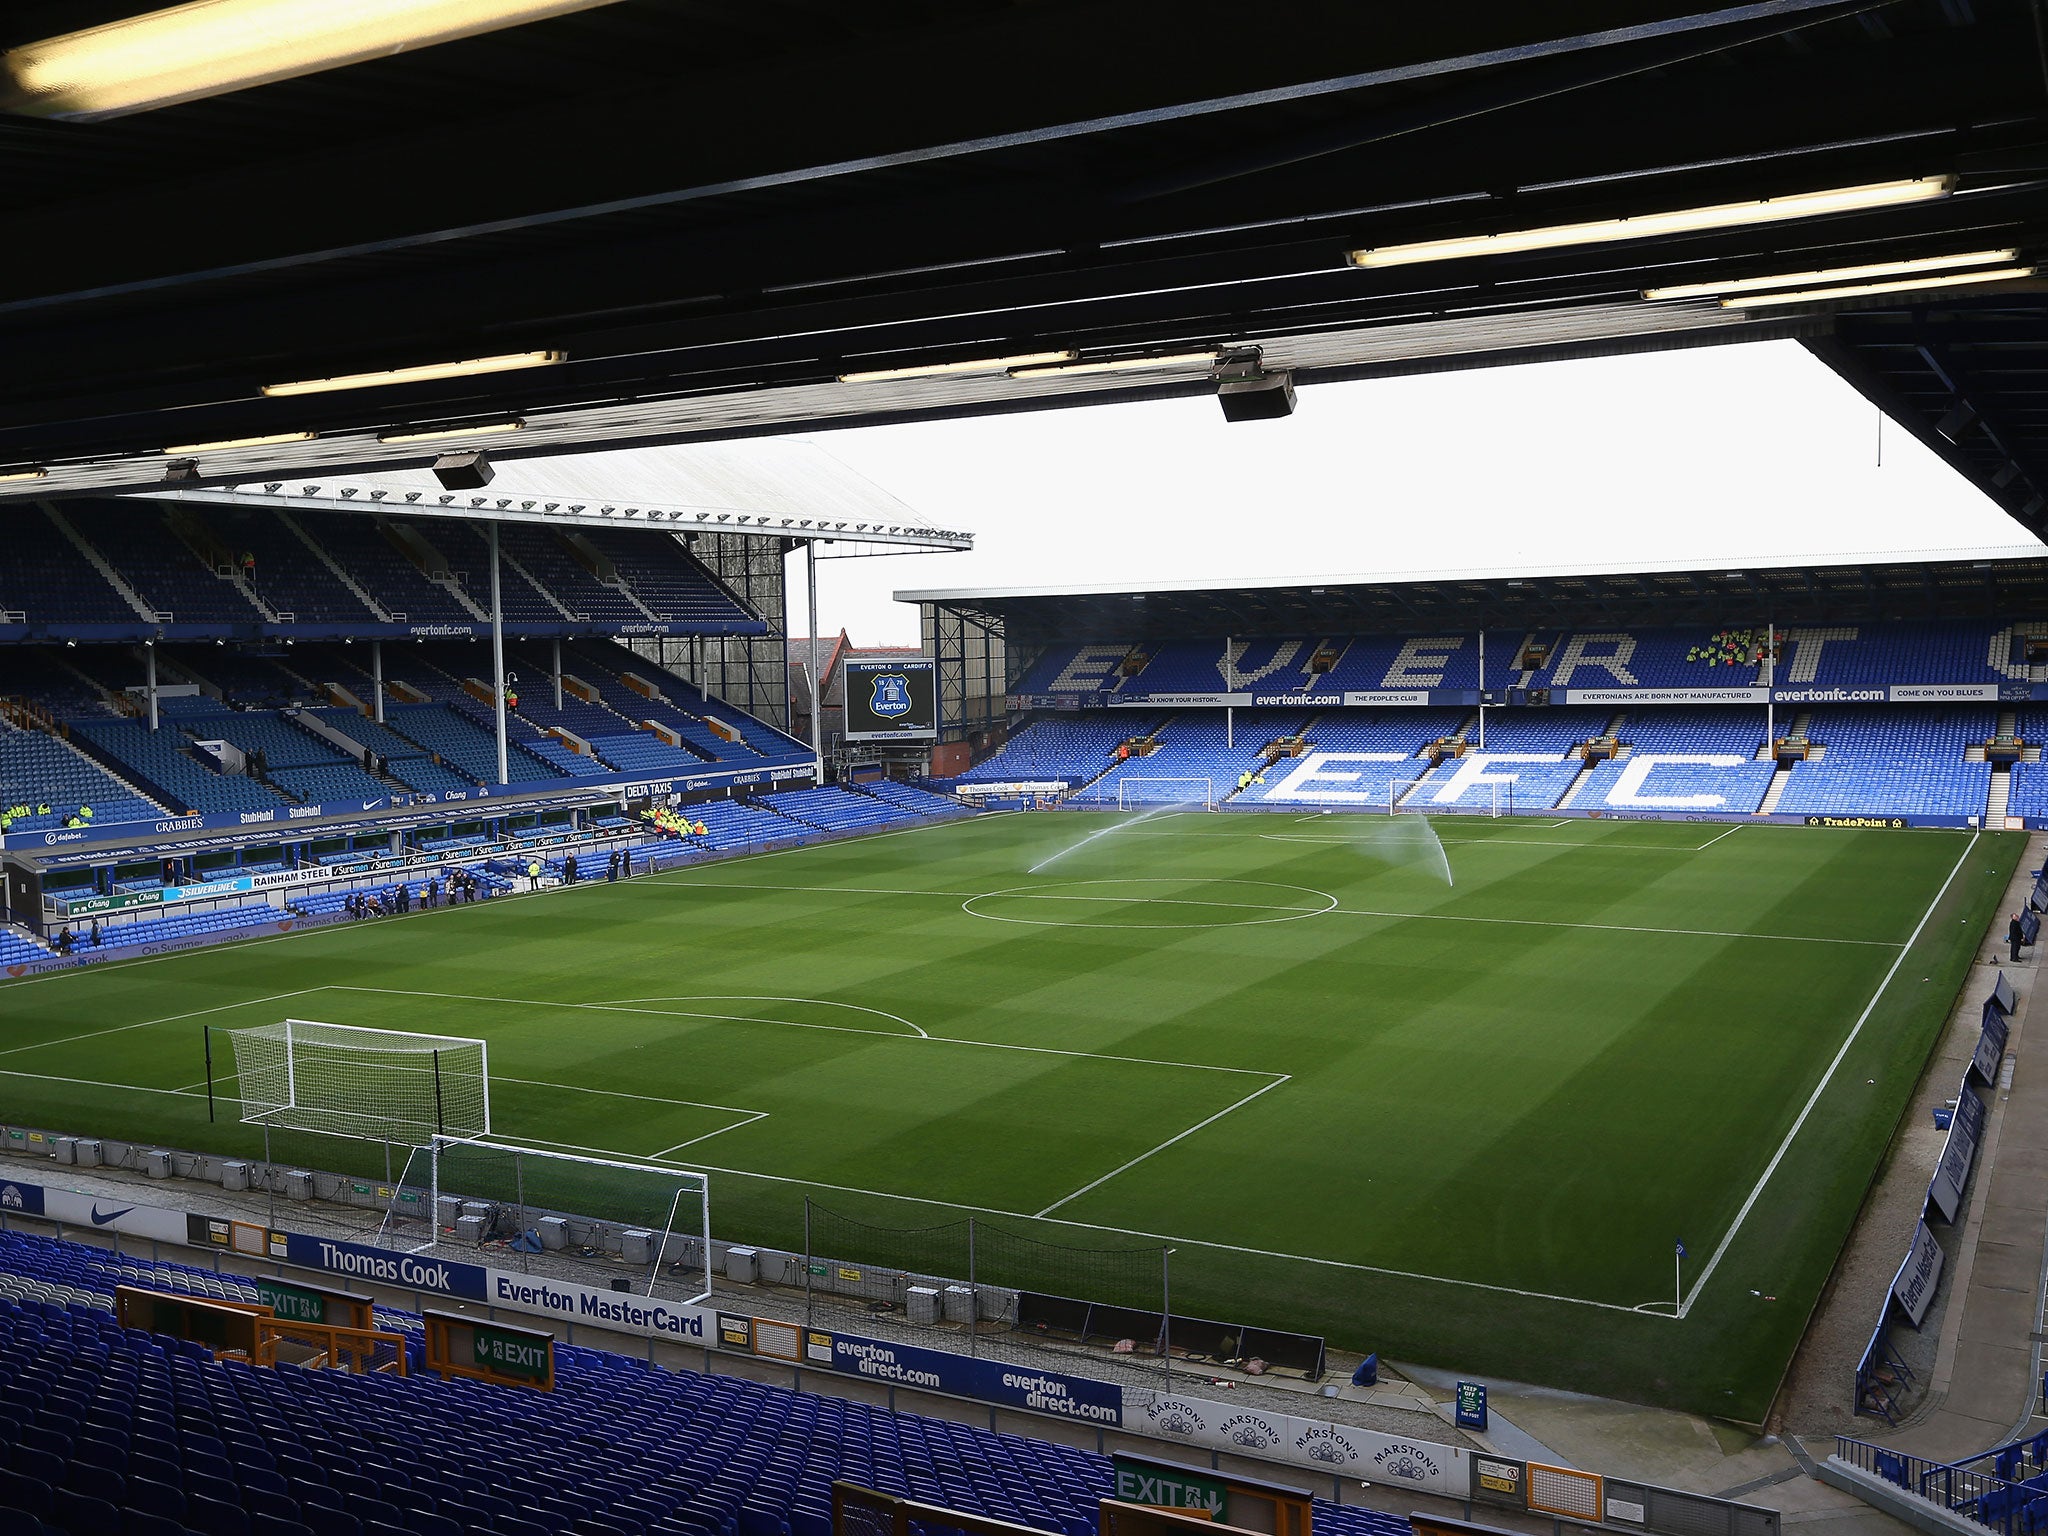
(542, 553)
(521, 600)
(289, 577)
(160, 762)
(160, 566)
(106, 1421)
(360, 547)
(36, 769)
(667, 579)
(46, 578)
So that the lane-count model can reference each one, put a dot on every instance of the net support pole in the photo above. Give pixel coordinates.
(1166, 1312)
(207, 1037)
(519, 1198)
(291, 1077)
(973, 1297)
(440, 1119)
(498, 657)
(807, 1242)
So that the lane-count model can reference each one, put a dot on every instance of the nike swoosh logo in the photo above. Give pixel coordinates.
(100, 1219)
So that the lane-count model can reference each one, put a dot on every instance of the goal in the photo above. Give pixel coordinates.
(1417, 797)
(1135, 792)
(648, 1218)
(347, 1080)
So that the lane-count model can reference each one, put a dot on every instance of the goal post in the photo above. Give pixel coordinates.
(350, 1080)
(1135, 792)
(653, 1218)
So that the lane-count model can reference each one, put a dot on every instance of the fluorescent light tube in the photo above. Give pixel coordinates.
(1903, 285)
(1831, 275)
(420, 374)
(937, 370)
(25, 472)
(1769, 210)
(1120, 365)
(442, 434)
(270, 441)
(211, 47)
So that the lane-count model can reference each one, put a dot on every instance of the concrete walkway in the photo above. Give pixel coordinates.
(1985, 1384)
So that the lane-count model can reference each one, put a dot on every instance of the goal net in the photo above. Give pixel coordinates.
(647, 1219)
(1417, 797)
(346, 1080)
(1134, 793)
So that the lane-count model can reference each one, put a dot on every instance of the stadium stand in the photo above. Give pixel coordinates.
(362, 548)
(289, 577)
(36, 769)
(163, 765)
(119, 1431)
(1193, 746)
(46, 579)
(839, 810)
(452, 736)
(1686, 733)
(1072, 748)
(549, 561)
(1898, 762)
(665, 578)
(139, 544)
(1542, 730)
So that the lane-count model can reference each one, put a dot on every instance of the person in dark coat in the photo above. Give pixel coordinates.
(2015, 935)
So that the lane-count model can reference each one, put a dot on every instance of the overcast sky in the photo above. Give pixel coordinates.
(1719, 455)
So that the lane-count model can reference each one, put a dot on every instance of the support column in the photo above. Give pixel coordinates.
(817, 683)
(377, 680)
(149, 663)
(1229, 686)
(558, 673)
(1482, 689)
(1770, 679)
(498, 655)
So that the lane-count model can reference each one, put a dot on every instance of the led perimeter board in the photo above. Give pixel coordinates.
(892, 700)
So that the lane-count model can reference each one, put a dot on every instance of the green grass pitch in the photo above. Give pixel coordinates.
(1462, 1123)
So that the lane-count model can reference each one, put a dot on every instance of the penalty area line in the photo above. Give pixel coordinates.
(1183, 1136)
(1821, 1087)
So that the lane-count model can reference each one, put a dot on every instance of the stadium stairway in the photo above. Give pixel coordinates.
(1999, 797)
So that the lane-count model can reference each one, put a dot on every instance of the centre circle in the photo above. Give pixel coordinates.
(1125, 904)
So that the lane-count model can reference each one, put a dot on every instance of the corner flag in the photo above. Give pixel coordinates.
(1681, 1249)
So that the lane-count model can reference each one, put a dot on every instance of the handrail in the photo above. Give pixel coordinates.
(1997, 1503)
(355, 1350)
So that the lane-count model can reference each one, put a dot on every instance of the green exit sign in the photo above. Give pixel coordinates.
(513, 1354)
(1139, 1482)
(291, 1303)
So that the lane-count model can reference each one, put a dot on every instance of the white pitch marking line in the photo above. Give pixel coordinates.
(1183, 1136)
(620, 1093)
(172, 1018)
(1691, 933)
(736, 1125)
(1703, 847)
(88, 1082)
(769, 997)
(1490, 842)
(1820, 1087)
(837, 1029)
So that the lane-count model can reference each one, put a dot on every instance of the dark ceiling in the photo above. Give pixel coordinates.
(1874, 592)
(715, 209)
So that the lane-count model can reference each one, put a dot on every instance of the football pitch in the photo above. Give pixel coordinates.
(1461, 1120)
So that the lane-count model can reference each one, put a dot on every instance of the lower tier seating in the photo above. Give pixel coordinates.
(115, 1431)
